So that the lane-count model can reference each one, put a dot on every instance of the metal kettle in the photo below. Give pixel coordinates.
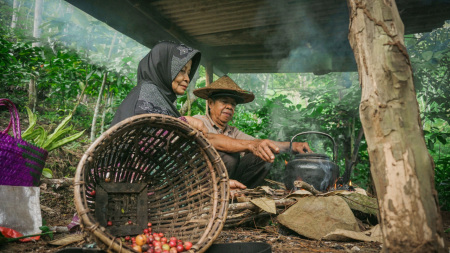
(317, 170)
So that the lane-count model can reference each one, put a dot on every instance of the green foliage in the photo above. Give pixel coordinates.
(59, 137)
(18, 62)
(430, 58)
(324, 106)
(48, 173)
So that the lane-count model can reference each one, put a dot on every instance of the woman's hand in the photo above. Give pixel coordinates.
(197, 124)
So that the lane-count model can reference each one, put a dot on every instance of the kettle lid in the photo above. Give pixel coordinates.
(312, 156)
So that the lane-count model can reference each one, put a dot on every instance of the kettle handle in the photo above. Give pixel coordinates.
(314, 132)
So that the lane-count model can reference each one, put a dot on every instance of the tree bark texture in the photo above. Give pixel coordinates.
(37, 21)
(402, 169)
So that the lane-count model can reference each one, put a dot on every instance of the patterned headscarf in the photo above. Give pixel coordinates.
(163, 64)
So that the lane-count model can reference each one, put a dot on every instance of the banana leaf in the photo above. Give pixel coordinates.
(32, 118)
(33, 135)
(42, 137)
(60, 126)
(57, 136)
(39, 140)
(64, 141)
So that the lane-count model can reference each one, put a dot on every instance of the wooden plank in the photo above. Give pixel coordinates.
(209, 76)
(101, 204)
(123, 187)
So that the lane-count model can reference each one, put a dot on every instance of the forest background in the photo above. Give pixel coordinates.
(56, 59)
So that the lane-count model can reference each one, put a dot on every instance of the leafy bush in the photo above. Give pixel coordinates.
(61, 135)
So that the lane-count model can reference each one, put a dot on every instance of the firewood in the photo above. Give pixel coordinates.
(306, 186)
(249, 205)
(47, 209)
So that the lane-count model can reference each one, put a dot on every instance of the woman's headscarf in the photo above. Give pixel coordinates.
(163, 64)
(156, 71)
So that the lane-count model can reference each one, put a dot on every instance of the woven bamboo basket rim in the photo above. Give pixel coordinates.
(215, 164)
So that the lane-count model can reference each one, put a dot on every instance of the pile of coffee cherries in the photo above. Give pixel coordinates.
(156, 242)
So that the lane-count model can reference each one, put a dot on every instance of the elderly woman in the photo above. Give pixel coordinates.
(163, 74)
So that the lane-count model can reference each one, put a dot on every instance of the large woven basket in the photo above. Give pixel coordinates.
(157, 165)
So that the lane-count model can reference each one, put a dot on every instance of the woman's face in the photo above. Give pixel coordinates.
(181, 81)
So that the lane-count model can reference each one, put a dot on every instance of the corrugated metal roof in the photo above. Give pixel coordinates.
(256, 36)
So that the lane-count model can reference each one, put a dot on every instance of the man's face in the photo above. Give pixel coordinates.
(222, 109)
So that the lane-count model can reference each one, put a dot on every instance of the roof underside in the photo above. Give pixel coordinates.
(255, 36)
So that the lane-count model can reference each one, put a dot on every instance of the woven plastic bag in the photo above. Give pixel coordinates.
(21, 163)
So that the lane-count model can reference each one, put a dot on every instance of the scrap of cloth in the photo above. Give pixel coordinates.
(156, 71)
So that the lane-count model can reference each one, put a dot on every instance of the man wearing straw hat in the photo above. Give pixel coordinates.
(222, 97)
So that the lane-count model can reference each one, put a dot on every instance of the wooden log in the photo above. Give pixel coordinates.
(236, 221)
(251, 206)
(361, 203)
(306, 186)
(57, 182)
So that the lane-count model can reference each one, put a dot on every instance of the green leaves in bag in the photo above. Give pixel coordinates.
(42, 139)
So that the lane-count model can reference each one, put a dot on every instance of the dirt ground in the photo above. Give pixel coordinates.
(60, 210)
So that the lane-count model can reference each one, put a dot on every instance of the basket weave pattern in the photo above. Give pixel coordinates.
(21, 163)
(185, 181)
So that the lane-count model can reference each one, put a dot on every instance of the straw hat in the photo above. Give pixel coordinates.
(225, 87)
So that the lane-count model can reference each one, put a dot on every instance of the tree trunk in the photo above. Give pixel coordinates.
(32, 96)
(37, 22)
(102, 88)
(15, 14)
(402, 169)
(28, 18)
(97, 106)
(106, 109)
(266, 84)
(354, 158)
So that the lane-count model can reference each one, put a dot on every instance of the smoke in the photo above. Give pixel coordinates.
(307, 40)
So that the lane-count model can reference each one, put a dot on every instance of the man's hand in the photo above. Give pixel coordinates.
(197, 124)
(235, 187)
(264, 149)
(301, 147)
